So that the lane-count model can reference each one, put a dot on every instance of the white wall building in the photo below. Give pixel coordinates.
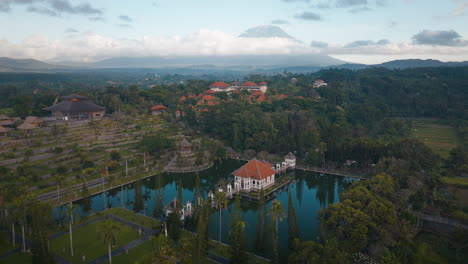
(254, 175)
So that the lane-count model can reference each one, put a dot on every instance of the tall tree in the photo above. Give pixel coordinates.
(107, 231)
(221, 202)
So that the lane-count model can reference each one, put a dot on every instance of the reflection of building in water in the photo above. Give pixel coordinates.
(76, 106)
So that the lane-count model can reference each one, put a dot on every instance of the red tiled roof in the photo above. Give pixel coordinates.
(182, 98)
(219, 84)
(257, 92)
(249, 84)
(234, 83)
(261, 98)
(263, 83)
(255, 169)
(282, 96)
(208, 98)
(300, 97)
(209, 91)
(158, 107)
(210, 103)
(319, 81)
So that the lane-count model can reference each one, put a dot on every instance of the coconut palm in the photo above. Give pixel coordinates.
(58, 179)
(221, 202)
(71, 214)
(107, 231)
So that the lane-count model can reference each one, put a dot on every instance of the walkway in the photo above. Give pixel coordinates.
(441, 220)
(332, 172)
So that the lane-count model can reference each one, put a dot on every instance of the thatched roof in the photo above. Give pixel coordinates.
(26, 126)
(184, 143)
(33, 120)
(6, 122)
(4, 117)
(3, 130)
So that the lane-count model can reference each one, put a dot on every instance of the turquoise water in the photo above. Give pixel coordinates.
(310, 192)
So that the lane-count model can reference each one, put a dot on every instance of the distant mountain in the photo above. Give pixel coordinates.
(241, 62)
(26, 65)
(415, 63)
(266, 31)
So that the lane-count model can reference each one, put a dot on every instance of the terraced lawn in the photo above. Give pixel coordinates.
(439, 137)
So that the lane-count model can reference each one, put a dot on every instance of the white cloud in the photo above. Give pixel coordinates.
(92, 47)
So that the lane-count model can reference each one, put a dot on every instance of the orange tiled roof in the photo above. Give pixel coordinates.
(257, 92)
(219, 84)
(263, 83)
(249, 84)
(209, 91)
(255, 169)
(158, 107)
(208, 98)
(262, 98)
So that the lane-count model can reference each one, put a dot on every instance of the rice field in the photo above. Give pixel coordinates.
(441, 138)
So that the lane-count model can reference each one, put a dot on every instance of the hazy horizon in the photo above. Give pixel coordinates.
(356, 31)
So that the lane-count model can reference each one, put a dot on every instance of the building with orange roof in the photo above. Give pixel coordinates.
(209, 91)
(261, 98)
(207, 98)
(158, 109)
(248, 85)
(283, 96)
(254, 175)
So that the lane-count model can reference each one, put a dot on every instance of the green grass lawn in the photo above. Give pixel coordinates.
(461, 182)
(18, 258)
(134, 254)
(134, 217)
(5, 243)
(439, 137)
(86, 241)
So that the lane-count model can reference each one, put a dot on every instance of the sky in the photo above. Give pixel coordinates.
(361, 31)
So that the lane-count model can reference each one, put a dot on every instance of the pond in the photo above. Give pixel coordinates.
(310, 192)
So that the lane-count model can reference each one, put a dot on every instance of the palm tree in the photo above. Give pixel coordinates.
(277, 213)
(107, 231)
(71, 213)
(221, 201)
(58, 179)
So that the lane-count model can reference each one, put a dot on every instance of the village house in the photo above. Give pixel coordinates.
(249, 86)
(319, 83)
(76, 106)
(185, 148)
(158, 110)
(254, 175)
(6, 121)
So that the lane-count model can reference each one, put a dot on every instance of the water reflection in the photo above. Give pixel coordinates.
(149, 196)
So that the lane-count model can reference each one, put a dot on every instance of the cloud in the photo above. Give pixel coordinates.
(360, 43)
(125, 18)
(439, 38)
(279, 22)
(318, 44)
(93, 47)
(354, 6)
(308, 16)
(71, 30)
(52, 7)
(292, 1)
(97, 18)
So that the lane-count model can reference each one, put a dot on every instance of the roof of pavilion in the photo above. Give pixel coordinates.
(255, 169)
(76, 107)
